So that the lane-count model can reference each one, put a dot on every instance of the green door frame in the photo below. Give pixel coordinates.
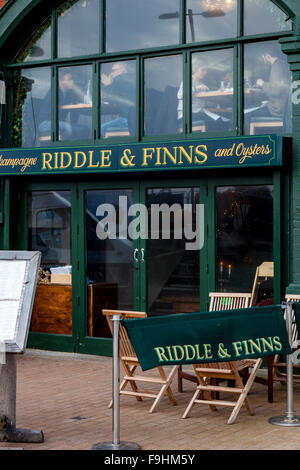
(79, 341)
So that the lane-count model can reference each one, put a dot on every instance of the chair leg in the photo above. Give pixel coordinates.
(128, 371)
(191, 404)
(244, 394)
(270, 362)
(165, 388)
(179, 380)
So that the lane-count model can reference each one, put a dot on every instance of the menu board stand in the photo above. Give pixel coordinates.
(18, 278)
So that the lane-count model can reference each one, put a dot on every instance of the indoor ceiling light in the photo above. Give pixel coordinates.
(218, 4)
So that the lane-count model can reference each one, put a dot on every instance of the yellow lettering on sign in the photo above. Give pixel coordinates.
(147, 155)
(47, 157)
(189, 347)
(83, 162)
(91, 163)
(201, 151)
(64, 165)
(105, 158)
(160, 351)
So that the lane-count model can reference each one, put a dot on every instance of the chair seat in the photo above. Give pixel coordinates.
(116, 131)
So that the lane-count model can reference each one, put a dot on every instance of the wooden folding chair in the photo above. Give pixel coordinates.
(228, 301)
(130, 364)
(218, 301)
(229, 371)
(279, 365)
(263, 272)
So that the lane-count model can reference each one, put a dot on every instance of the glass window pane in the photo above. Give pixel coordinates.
(267, 93)
(75, 102)
(49, 231)
(139, 24)
(262, 16)
(212, 91)
(244, 237)
(78, 28)
(207, 20)
(118, 98)
(161, 95)
(39, 45)
(32, 107)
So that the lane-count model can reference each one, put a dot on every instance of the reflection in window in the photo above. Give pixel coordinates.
(263, 16)
(49, 231)
(161, 94)
(244, 235)
(207, 20)
(118, 98)
(267, 94)
(78, 28)
(212, 91)
(139, 24)
(39, 45)
(75, 102)
(32, 106)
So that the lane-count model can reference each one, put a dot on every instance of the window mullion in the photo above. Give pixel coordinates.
(96, 101)
(53, 34)
(182, 25)
(54, 103)
(240, 18)
(187, 104)
(102, 27)
(239, 89)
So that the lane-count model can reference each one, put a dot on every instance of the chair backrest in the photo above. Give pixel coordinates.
(126, 348)
(265, 271)
(293, 298)
(228, 301)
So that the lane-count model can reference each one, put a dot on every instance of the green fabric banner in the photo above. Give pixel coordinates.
(297, 314)
(219, 336)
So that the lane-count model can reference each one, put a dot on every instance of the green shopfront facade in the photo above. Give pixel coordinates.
(132, 104)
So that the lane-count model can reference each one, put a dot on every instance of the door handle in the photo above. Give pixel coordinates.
(143, 255)
(135, 255)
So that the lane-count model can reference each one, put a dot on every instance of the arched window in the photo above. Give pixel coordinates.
(135, 69)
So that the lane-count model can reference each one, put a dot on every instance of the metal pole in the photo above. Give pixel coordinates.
(116, 444)
(289, 419)
(116, 381)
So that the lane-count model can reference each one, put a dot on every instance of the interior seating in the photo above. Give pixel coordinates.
(265, 123)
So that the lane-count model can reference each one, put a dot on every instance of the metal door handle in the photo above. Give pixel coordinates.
(135, 255)
(143, 255)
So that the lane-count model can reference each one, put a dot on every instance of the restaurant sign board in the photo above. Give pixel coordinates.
(231, 152)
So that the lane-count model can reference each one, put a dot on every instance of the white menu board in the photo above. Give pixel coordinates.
(18, 278)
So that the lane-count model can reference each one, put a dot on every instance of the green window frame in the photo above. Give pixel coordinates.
(182, 48)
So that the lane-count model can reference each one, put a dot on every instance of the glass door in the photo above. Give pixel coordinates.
(108, 257)
(175, 266)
